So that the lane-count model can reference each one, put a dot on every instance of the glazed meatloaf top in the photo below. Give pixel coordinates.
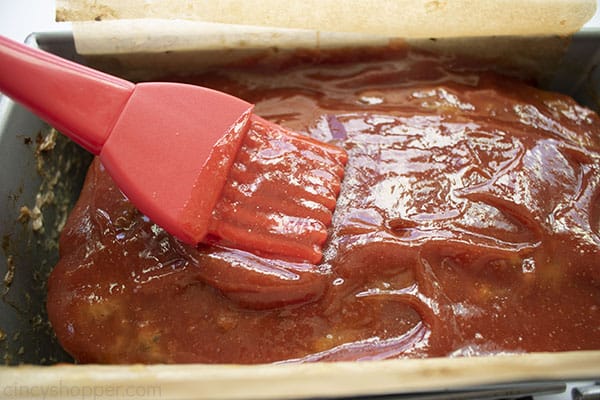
(467, 223)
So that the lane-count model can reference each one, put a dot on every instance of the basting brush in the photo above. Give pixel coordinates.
(196, 161)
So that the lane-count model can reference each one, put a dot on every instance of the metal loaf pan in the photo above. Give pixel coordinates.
(40, 178)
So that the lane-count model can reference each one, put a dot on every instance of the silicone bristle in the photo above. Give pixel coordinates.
(280, 195)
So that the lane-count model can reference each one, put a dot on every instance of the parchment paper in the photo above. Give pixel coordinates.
(397, 18)
(304, 381)
(139, 38)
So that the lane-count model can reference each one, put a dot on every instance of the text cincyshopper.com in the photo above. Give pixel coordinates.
(62, 390)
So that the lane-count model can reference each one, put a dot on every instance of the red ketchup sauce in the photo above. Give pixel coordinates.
(468, 222)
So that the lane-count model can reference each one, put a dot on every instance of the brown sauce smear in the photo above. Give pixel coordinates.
(468, 223)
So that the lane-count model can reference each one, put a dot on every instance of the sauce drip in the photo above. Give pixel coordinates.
(468, 223)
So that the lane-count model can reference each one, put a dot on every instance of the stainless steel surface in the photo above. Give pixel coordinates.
(591, 392)
(28, 256)
(509, 391)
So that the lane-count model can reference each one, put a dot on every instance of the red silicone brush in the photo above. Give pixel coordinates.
(170, 148)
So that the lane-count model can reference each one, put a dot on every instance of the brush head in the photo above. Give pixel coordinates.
(280, 196)
(170, 152)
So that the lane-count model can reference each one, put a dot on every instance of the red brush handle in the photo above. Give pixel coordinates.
(82, 103)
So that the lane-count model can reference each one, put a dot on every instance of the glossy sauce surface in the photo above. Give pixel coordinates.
(468, 223)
